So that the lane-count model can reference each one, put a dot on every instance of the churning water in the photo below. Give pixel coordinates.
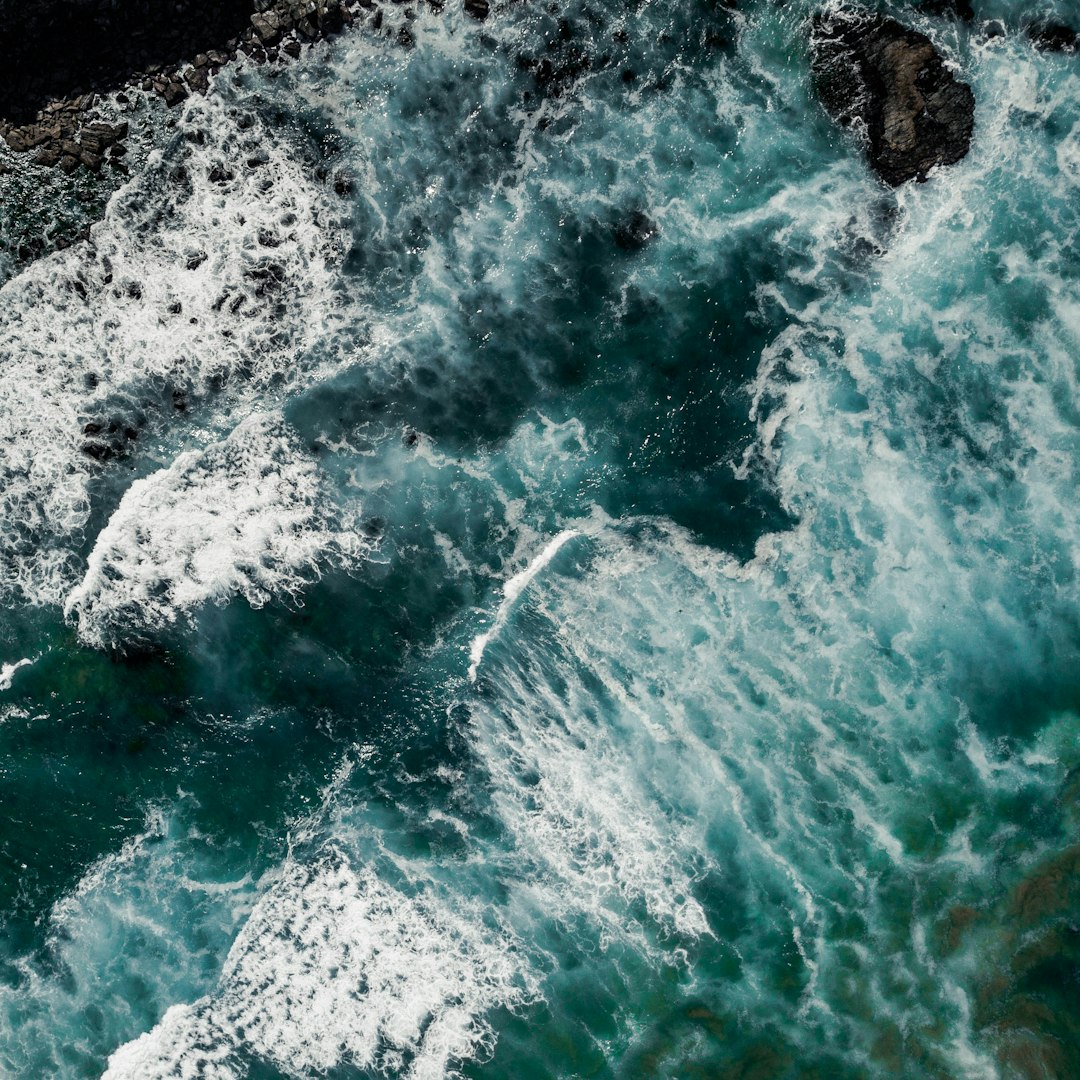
(566, 575)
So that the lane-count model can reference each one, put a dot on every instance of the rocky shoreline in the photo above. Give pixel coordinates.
(65, 55)
(62, 128)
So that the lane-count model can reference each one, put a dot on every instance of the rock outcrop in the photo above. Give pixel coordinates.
(62, 53)
(889, 80)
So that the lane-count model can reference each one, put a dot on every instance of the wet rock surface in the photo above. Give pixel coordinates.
(874, 72)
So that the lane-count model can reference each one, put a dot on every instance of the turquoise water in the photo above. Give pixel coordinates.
(582, 581)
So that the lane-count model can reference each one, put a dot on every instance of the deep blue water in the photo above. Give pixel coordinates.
(584, 582)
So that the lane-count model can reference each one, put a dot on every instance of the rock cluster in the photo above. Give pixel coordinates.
(276, 30)
(872, 71)
(58, 50)
(65, 133)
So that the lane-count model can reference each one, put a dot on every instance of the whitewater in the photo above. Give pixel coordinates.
(523, 571)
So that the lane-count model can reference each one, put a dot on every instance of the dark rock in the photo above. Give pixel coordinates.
(956, 9)
(17, 141)
(197, 79)
(92, 142)
(477, 9)
(874, 71)
(56, 49)
(268, 27)
(174, 93)
(1053, 37)
(59, 54)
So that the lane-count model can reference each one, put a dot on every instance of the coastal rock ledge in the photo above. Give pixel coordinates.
(874, 72)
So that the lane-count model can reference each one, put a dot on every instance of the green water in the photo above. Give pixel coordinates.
(593, 587)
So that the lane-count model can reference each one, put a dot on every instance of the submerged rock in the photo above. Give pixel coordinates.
(1054, 37)
(890, 80)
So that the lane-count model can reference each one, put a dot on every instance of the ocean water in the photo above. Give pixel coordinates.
(566, 574)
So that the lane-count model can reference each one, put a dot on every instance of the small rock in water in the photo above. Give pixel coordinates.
(873, 70)
(477, 9)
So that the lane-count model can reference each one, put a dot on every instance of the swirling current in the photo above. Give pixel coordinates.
(522, 559)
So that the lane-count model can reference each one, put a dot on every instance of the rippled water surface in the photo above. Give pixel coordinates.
(520, 558)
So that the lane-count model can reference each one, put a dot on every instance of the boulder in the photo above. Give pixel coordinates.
(890, 81)
(1053, 37)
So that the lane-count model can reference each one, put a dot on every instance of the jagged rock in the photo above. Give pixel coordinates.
(477, 9)
(1054, 37)
(79, 48)
(268, 27)
(890, 80)
(197, 79)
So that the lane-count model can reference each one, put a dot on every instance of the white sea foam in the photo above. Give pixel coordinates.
(511, 591)
(243, 517)
(195, 281)
(336, 967)
(674, 728)
(7, 671)
(186, 1043)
